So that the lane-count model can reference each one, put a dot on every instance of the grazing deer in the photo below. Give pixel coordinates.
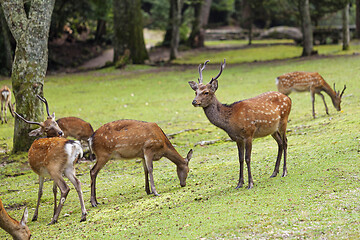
(309, 81)
(266, 114)
(135, 139)
(55, 156)
(18, 230)
(76, 128)
(5, 102)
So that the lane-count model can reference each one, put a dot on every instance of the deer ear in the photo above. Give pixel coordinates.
(193, 85)
(213, 85)
(24, 217)
(36, 132)
(189, 155)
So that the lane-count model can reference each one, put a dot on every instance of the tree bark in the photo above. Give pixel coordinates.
(306, 27)
(357, 17)
(176, 6)
(129, 45)
(205, 12)
(31, 32)
(7, 43)
(345, 28)
(197, 35)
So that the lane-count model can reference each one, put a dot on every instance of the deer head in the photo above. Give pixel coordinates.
(48, 127)
(183, 173)
(337, 100)
(205, 93)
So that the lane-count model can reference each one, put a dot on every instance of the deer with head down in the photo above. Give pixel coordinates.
(309, 81)
(54, 156)
(260, 116)
(5, 95)
(130, 139)
(18, 230)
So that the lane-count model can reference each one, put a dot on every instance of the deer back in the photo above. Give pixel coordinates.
(76, 128)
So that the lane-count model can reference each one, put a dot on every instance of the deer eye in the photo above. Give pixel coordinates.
(206, 93)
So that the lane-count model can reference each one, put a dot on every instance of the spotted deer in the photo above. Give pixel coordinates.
(18, 230)
(260, 116)
(5, 102)
(309, 81)
(130, 139)
(54, 157)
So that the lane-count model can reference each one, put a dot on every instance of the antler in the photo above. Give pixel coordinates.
(27, 121)
(202, 69)
(46, 104)
(343, 91)
(221, 69)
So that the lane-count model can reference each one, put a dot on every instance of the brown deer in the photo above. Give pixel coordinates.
(266, 114)
(55, 156)
(135, 139)
(5, 102)
(18, 230)
(309, 81)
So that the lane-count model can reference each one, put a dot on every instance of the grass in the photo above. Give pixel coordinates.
(319, 199)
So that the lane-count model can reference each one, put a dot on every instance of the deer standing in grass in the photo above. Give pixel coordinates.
(130, 139)
(18, 230)
(309, 81)
(54, 156)
(5, 102)
(260, 116)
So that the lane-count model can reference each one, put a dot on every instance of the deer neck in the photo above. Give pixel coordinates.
(173, 155)
(218, 114)
(330, 92)
(7, 223)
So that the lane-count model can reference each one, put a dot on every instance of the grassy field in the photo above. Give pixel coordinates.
(319, 199)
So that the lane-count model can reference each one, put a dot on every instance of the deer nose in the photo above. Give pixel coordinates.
(60, 133)
(194, 102)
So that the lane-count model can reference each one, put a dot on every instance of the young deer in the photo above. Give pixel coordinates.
(18, 230)
(55, 156)
(5, 102)
(135, 139)
(309, 81)
(266, 114)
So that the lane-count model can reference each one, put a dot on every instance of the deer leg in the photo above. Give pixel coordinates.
(41, 184)
(240, 145)
(312, 92)
(149, 164)
(5, 110)
(147, 187)
(101, 161)
(326, 108)
(248, 147)
(64, 189)
(55, 196)
(279, 141)
(70, 174)
(284, 139)
(2, 112)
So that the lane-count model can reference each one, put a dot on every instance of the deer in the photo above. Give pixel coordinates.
(54, 157)
(309, 81)
(18, 230)
(260, 116)
(5, 102)
(76, 128)
(131, 139)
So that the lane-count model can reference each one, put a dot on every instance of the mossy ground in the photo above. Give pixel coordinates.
(319, 199)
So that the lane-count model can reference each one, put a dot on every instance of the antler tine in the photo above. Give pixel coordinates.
(202, 69)
(334, 88)
(342, 92)
(46, 104)
(27, 121)
(221, 69)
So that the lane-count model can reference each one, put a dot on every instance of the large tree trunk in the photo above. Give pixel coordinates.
(176, 6)
(306, 27)
(205, 12)
(345, 28)
(7, 42)
(31, 32)
(357, 18)
(197, 35)
(129, 45)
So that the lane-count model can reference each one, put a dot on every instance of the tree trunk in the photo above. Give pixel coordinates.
(306, 27)
(176, 6)
(7, 43)
(129, 45)
(31, 34)
(205, 12)
(197, 35)
(357, 19)
(100, 30)
(345, 28)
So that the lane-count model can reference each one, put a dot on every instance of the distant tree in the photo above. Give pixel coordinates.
(357, 18)
(129, 45)
(197, 35)
(306, 27)
(30, 28)
(345, 28)
(176, 6)
(6, 37)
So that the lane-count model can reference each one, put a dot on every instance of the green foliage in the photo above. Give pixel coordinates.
(319, 199)
(158, 16)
